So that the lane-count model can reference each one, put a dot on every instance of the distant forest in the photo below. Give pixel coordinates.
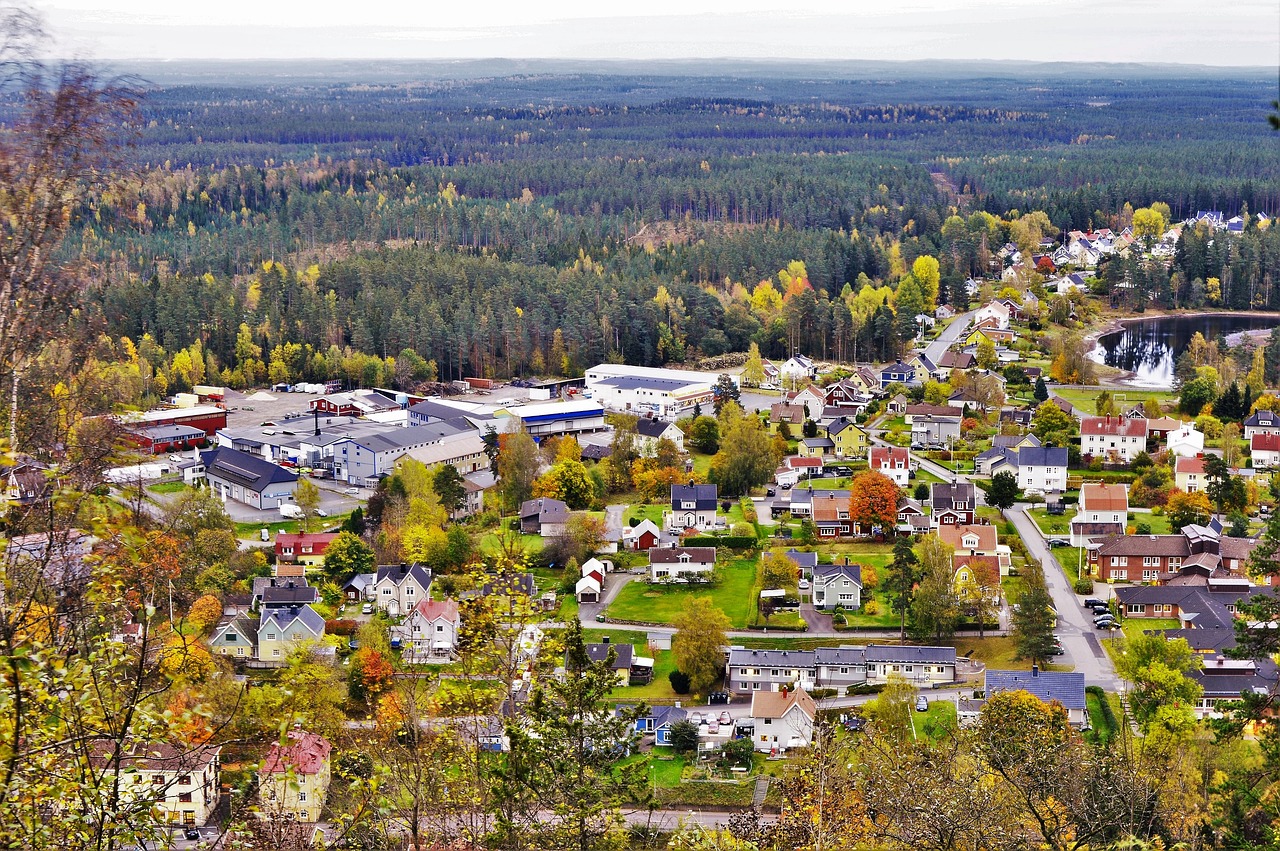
(543, 222)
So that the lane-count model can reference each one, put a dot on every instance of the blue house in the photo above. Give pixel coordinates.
(659, 721)
(896, 372)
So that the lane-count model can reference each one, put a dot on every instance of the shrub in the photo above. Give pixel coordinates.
(679, 682)
(344, 626)
(1083, 585)
(1142, 527)
(871, 607)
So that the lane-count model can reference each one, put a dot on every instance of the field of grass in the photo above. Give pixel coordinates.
(491, 542)
(1071, 559)
(640, 511)
(936, 722)
(1102, 730)
(1159, 523)
(733, 594)
(884, 617)
(701, 464)
(1085, 399)
(167, 487)
(1051, 524)
(997, 652)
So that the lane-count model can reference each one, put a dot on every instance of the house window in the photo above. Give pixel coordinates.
(408, 591)
(1120, 561)
(302, 797)
(297, 636)
(184, 798)
(1150, 575)
(1151, 561)
(276, 652)
(1119, 574)
(239, 651)
(271, 636)
(1137, 609)
(386, 592)
(184, 780)
(1175, 563)
(440, 628)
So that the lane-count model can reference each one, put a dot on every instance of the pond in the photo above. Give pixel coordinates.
(1149, 348)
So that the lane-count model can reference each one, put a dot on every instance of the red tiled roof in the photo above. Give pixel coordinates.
(888, 454)
(1104, 497)
(434, 609)
(1267, 442)
(1114, 426)
(1190, 465)
(306, 753)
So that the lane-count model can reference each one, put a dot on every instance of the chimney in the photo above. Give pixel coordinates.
(1035, 670)
(604, 639)
(1219, 660)
(316, 411)
(677, 704)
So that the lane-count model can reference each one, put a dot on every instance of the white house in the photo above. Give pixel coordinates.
(1113, 437)
(681, 564)
(1265, 450)
(892, 461)
(837, 585)
(1042, 468)
(798, 368)
(812, 399)
(399, 587)
(1188, 474)
(1261, 422)
(692, 507)
(431, 630)
(588, 588)
(994, 310)
(783, 719)
(181, 784)
(649, 432)
(642, 536)
(1104, 511)
(1186, 441)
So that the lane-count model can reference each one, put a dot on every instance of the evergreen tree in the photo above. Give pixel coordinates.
(1033, 618)
(1042, 390)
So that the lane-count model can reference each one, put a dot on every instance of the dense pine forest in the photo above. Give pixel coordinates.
(541, 222)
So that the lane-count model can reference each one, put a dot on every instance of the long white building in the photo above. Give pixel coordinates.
(622, 370)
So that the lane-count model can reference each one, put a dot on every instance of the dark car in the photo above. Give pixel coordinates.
(855, 723)
(1107, 625)
(1103, 609)
(1093, 603)
(191, 833)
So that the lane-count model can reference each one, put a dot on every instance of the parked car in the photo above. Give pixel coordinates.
(697, 718)
(855, 723)
(725, 717)
(191, 833)
(1101, 609)
(803, 584)
(320, 512)
(922, 704)
(1105, 619)
(1057, 542)
(1108, 625)
(352, 491)
(713, 727)
(366, 609)
(1093, 603)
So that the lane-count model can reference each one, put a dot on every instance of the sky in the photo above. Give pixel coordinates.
(1203, 32)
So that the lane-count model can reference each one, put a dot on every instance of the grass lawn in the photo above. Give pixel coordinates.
(1131, 627)
(997, 651)
(463, 696)
(734, 595)
(885, 616)
(1159, 523)
(1084, 399)
(1102, 731)
(936, 722)
(1051, 524)
(701, 464)
(491, 543)
(641, 511)
(251, 530)
(167, 487)
(1071, 559)
(923, 475)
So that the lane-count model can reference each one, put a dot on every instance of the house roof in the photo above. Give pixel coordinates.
(898, 368)
(1146, 545)
(1265, 442)
(151, 756)
(1065, 688)
(399, 573)
(889, 455)
(303, 753)
(547, 510)
(600, 652)
(673, 555)
(437, 609)
(704, 497)
(739, 656)
(956, 360)
(827, 572)
(842, 655)
(819, 442)
(881, 653)
(1042, 456)
(288, 594)
(776, 704)
(955, 535)
(931, 411)
(1104, 497)
(1110, 426)
(1013, 440)
(1192, 465)
(1263, 419)
(652, 428)
(785, 412)
(299, 539)
(250, 471)
(945, 496)
(285, 616)
(802, 560)
(986, 569)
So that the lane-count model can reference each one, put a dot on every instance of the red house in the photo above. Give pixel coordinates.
(304, 547)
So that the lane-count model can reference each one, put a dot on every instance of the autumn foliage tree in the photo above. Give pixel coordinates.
(204, 613)
(370, 675)
(873, 501)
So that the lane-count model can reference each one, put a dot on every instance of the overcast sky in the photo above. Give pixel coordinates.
(1208, 32)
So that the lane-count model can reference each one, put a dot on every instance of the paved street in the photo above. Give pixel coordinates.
(1079, 638)
(935, 350)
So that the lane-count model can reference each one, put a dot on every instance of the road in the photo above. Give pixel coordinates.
(1079, 638)
(953, 332)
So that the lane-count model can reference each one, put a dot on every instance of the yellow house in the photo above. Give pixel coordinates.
(294, 778)
(850, 439)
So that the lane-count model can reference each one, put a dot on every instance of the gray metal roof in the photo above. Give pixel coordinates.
(1066, 688)
(880, 653)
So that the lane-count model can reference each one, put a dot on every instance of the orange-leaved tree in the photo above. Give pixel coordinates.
(873, 501)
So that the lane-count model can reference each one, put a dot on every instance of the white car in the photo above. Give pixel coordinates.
(352, 491)
(366, 609)
(803, 585)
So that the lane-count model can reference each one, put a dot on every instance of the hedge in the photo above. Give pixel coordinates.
(345, 626)
(733, 542)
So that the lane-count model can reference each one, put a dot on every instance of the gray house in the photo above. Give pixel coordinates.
(366, 458)
(837, 585)
(545, 517)
(246, 478)
(840, 667)
(399, 587)
(918, 665)
(769, 670)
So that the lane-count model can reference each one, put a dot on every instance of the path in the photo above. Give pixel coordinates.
(952, 333)
(1079, 638)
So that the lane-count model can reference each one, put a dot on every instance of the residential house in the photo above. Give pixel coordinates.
(1222, 679)
(804, 562)
(791, 414)
(275, 591)
(235, 636)
(658, 722)
(642, 536)
(925, 368)
(896, 373)
(1186, 441)
(783, 720)
(913, 411)
(912, 518)
(988, 331)
(830, 513)
(753, 670)
(1188, 474)
(893, 462)
(650, 432)
(953, 504)
(1104, 511)
(866, 379)
(849, 439)
(816, 447)
(1261, 422)
(1113, 438)
(399, 587)
(620, 663)
(1042, 468)
(693, 506)
(1159, 428)
(681, 564)
(293, 780)
(248, 479)
(952, 360)
(993, 310)
(1264, 450)
(846, 393)
(431, 631)
(934, 430)
(1065, 689)
(544, 516)
(971, 539)
(306, 548)
(179, 782)
(1153, 558)
(982, 572)
(840, 667)
(463, 451)
(897, 405)
(798, 368)
(281, 628)
(918, 665)
(359, 587)
(837, 586)
(943, 311)
(589, 587)
(811, 400)
(1020, 418)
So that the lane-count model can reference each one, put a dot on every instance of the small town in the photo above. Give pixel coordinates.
(567, 428)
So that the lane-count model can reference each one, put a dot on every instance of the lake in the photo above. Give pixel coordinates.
(1149, 348)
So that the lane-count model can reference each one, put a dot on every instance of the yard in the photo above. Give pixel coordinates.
(997, 652)
(936, 722)
(1085, 399)
(167, 487)
(734, 594)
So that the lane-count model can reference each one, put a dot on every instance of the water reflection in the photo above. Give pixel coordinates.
(1150, 348)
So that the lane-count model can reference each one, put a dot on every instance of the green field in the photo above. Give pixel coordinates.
(733, 594)
(1084, 399)
(167, 487)
(640, 511)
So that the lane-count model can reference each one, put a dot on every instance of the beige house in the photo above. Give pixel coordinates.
(180, 784)
(293, 780)
(783, 719)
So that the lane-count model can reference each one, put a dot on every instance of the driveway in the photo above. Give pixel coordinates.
(1079, 638)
